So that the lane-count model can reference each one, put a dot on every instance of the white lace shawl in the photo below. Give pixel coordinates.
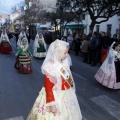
(4, 35)
(108, 64)
(36, 44)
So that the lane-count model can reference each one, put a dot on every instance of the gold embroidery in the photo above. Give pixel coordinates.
(36, 117)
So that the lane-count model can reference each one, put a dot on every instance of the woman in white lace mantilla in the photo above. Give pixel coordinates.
(109, 72)
(5, 45)
(23, 57)
(21, 36)
(57, 99)
(39, 46)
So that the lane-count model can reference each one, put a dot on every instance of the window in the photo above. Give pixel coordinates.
(109, 27)
(97, 28)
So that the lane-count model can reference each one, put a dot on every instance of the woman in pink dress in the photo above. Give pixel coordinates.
(109, 73)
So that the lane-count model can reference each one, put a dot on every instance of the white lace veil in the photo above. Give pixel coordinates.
(52, 62)
(4, 36)
(68, 61)
(37, 35)
(24, 47)
(22, 34)
(36, 41)
(108, 64)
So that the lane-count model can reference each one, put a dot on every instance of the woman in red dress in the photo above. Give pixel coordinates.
(5, 45)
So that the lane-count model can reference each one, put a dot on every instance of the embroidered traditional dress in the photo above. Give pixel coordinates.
(23, 62)
(5, 46)
(67, 104)
(109, 72)
(39, 47)
(58, 90)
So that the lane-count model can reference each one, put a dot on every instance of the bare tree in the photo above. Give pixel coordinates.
(103, 9)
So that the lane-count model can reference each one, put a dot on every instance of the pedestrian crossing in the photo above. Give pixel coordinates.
(106, 103)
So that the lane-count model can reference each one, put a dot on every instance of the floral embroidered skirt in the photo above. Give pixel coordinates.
(5, 47)
(66, 103)
(108, 81)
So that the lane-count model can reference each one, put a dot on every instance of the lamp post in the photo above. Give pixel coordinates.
(60, 10)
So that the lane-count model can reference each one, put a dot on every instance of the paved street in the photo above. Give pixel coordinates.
(19, 91)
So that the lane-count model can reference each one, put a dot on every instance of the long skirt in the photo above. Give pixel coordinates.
(66, 103)
(40, 54)
(23, 64)
(109, 81)
(5, 47)
(117, 67)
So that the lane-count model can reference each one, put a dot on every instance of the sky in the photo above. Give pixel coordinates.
(6, 5)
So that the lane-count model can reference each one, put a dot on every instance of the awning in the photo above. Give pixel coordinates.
(73, 26)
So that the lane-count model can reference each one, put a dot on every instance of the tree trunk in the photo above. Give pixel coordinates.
(92, 25)
(55, 28)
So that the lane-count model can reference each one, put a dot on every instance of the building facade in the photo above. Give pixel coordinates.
(112, 26)
(4, 21)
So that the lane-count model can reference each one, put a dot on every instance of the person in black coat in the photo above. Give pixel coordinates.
(28, 37)
(113, 39)
(77, 42)
(93, 43)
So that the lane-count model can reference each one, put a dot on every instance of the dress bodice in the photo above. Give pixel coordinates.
(49, 88)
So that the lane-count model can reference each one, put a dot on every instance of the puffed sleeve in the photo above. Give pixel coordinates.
(48, 88)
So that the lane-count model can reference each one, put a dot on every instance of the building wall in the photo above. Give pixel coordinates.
(13, 16)
(3, 18)
(48, 3)
(114, 21)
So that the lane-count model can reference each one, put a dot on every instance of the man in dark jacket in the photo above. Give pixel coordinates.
(93, 49)
(77, 42)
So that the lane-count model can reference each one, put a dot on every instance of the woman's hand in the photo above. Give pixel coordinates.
(52, 109)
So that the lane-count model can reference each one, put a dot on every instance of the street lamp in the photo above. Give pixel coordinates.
(60, 10)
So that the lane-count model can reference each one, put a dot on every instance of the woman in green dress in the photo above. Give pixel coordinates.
(39, 47)
(23, 61)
